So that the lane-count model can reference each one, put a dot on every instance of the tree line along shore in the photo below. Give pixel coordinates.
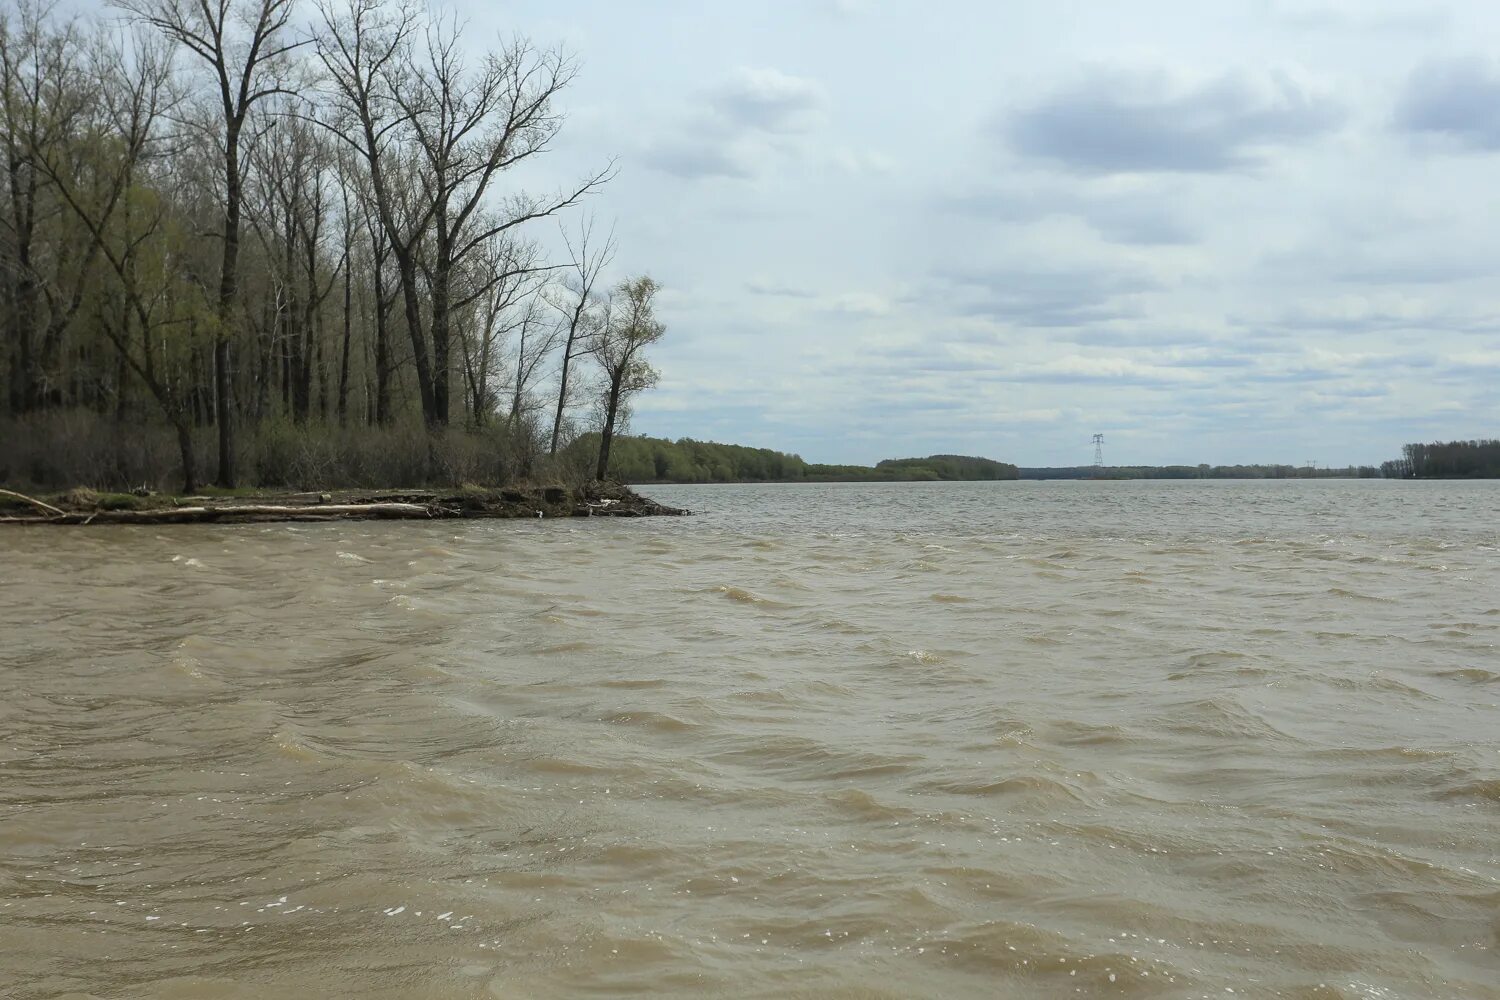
(640, 459)
(283, 247)
(1479, 459)
(262, 243)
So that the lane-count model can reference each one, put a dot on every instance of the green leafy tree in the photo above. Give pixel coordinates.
(630, 327)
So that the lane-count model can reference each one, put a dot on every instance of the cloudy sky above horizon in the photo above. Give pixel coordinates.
(1245, 231)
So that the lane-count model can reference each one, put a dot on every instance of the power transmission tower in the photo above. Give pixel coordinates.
(1098, 452)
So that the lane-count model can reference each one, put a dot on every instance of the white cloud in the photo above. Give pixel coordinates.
(741, 126)
(769, 100)
(1143, 122)
(1209, 230)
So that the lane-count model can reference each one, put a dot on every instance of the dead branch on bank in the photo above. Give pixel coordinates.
(33, 502)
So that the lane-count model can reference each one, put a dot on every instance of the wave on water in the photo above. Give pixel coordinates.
(886, 740)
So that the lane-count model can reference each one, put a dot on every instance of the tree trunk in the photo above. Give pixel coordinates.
(519, 386)
(25, 395)
(313, 329)
(122, 390)
(21, 389)
(441, 341)
(228, 281)
(307, 341)
(343, 404)
(200, 398)
(382, 350)
(286, 373)
(294, 331)
(475, 395)
(407, 265)
(562, 396)
(321, 357)
(225, 406)
(265, 358)
(607, 435)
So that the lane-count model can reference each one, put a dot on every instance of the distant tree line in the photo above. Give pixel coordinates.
(1201, 472)
(639, 459)
(958, 467)
(241, 244)
(1446, 460)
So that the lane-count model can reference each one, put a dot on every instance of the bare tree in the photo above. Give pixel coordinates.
(182, 197)
(535, 341)
(347, 174)
(361, 46)
(363, 227)
(630, 327)
(131, 235)
(471, 126)
(240, 43)
(575, 300)
(279, 171)
(464, 126)
(383, 293)
(504, 279)
(312, 232)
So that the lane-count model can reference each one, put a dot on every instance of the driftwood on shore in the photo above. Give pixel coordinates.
(83, 507)
(235, 512)
(32, 501)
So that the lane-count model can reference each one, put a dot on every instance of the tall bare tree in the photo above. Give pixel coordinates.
(361, 45)
(464, 125)
(131, 231)
(348, 199)
(535, 340)
(501, 299)
(369, 244)
(576, 300)
(240, 44)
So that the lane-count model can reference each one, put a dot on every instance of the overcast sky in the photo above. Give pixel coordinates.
(1246, 230)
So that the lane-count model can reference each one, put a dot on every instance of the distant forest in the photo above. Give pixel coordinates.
(659, 460)
(1201, 472)
(1446, 460)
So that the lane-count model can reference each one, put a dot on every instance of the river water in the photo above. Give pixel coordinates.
(856, 741)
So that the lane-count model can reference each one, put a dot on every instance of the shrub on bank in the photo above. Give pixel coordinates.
(81, 448)
(58, 450)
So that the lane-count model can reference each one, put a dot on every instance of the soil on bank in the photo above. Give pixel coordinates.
(83, 506)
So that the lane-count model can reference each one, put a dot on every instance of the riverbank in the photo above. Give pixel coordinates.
(83, 506)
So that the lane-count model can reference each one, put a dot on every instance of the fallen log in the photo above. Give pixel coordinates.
(243, 511)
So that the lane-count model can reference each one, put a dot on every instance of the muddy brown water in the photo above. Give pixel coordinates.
(967, 740)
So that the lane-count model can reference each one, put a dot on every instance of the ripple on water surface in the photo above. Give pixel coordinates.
(1016, 740)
